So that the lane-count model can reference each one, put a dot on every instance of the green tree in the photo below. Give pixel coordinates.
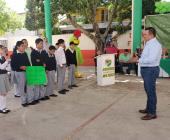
(88, 8)
(118, 11)
(149, 7)
(34, 15)
(35, 18)
(162, 7)
(9, 19)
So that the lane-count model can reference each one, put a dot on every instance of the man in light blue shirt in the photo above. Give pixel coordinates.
(149, 62)
(151, 54)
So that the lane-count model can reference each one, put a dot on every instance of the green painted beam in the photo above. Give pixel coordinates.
(136, 24)
(48, 20)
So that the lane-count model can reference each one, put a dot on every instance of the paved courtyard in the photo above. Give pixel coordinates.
(90, 112)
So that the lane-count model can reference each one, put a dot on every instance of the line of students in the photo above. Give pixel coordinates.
(56, 59)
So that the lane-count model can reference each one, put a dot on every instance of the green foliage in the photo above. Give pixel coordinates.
(82, 9)
(162, 7)
(9, 19)
(34, 15)
(121, 29)
(86, 8)
(35, 18)
(56, 31)
(149, 7)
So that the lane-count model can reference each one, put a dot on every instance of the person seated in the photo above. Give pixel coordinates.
(125, 61)
(110, 48)
(165, 53)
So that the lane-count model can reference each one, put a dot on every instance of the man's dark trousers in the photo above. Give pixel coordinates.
(149, 75)
(128, 65)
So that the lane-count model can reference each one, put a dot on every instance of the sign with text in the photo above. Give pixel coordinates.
(106, 69)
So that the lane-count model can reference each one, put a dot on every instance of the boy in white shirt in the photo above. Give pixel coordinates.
(61, 66)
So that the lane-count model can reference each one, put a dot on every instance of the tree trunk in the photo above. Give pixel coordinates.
(98, 38)
(99, 44)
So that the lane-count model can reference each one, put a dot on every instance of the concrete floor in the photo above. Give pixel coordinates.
(90, 112)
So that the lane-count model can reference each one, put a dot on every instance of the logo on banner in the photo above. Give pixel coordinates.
(108, 62)
(108, 70)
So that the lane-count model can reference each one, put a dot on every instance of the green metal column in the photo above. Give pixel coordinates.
(48, 22)
(137, 24)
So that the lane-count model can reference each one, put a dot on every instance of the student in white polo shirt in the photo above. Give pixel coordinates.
(61, 66)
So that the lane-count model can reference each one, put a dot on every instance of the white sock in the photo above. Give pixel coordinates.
(4, 102)
(1, 103)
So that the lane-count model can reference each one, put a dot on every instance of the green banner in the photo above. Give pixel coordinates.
(165, 65)
(162, 25)
(36, 75)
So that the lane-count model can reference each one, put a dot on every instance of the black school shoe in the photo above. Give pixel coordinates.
(17, 96)
(70, 87)
(66, 90)
(8, 110)
(37, 101)
(45, 98)
(4, 111)
(74, 86)
(53, 95)
(25, 105)
(61, 92)
(32, 103)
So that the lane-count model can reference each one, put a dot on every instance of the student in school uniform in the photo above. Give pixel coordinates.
(71, 63)
(50, 70)
(56, 45)
(28, 50)
(13, 77)
(19, 62)
(4, 82)
(61, 66)
(56, 74)
(30, 89)
(38, 58)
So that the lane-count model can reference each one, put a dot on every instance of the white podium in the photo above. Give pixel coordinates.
(106, 69)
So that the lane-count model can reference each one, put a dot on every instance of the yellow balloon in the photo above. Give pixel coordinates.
(76, 41)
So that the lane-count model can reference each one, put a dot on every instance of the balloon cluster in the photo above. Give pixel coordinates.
(77, 33)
